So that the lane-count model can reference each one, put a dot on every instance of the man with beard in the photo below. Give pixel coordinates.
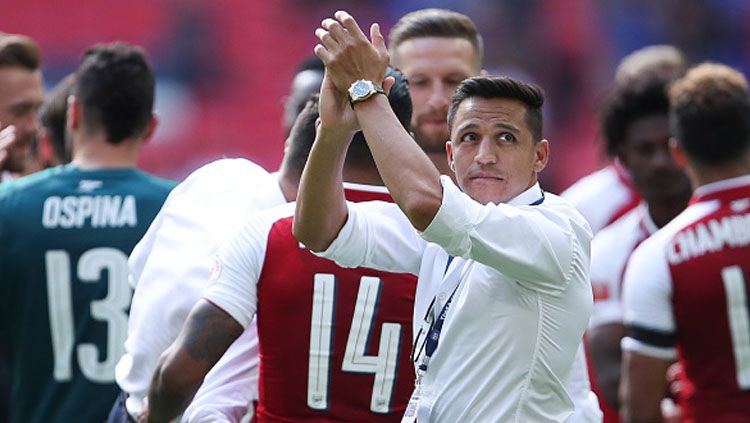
(21, 96)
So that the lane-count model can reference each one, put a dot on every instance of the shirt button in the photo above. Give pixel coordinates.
(442, 296)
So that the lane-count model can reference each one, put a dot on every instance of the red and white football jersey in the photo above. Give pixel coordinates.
(610, 250)
(685, 296)
(334, 343)
(603, 196)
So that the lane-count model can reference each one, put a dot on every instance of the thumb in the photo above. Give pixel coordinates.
(377, 38)
(388, 84)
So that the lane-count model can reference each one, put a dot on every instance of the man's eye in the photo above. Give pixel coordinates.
(507, 137)
(468, 137)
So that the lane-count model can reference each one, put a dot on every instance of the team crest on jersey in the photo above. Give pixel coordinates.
(215, 271)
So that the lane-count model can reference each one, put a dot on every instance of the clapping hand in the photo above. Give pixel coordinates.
(348, 54)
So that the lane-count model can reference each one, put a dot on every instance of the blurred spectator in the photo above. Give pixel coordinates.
(54, 142)
(21, 95)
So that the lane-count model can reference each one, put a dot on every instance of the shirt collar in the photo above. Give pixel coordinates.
(527, 197)
(715, 190)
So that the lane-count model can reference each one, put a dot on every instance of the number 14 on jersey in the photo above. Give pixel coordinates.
(383, 365)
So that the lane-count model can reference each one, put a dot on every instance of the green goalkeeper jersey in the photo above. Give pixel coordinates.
(65, 237)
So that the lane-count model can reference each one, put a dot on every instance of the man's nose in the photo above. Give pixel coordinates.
(439, 96)
(486, 152)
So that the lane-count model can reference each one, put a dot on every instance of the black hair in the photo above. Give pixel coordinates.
(115, 86)
(630, 100)
(302, 137)
(359, 154)
(502, 87)
(53, 116)
(311, 63)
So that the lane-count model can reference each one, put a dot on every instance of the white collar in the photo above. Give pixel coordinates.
(530, 196)
(722, 185)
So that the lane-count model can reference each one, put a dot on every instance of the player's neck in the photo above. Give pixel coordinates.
(440, 161)
(96, 153)
(662, 213)
(703, 175)
(361, 175)
(288, 185)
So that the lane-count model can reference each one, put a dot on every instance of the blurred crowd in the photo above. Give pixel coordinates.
(222, 75)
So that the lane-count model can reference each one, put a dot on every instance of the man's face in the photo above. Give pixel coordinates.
(645, 152)
(21, 95)
(434, 67)
(492, 150)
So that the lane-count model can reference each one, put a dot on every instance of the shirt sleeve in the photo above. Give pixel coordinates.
(606, 273)
(377, 235)
(541, 247)
(232, 285)
(647, 293)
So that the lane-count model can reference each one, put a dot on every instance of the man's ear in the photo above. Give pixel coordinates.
(73, 113)
(449, 154)
(150, 128)
(678, 154)
(541, 152)
(483, 72)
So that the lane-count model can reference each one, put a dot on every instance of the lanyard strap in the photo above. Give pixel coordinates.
(433, 335)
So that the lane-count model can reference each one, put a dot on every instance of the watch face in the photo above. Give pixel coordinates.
(360, 88)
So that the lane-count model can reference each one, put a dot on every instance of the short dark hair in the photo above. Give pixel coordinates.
(439, 23)
(311, 63)
(302, 137)
(19, 50)
(53, 116)
(115, 85)
(710, 113)
(359, 154)
(502, 87)
(629, 101)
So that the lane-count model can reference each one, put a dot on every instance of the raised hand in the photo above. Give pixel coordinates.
(348, 54)
(335, 112)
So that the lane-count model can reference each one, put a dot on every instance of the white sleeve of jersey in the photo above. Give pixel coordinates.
(229, 389)
(542, 247)
(609, 250)
(169, 267)
(587, 196)
(233, 285)
(377, 235)
(647, 294)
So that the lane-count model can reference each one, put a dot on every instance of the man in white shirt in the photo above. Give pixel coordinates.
(508, 280)
(326, 371)
(685, 288)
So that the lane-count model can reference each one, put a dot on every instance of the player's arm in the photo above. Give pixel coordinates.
(207, 334)
(321, 211)
(648, 347)
(411, 178)
(606, 356)
(644, 385)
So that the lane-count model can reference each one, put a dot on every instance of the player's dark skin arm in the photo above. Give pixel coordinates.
(207, 334)
(604, 347)
(644, 385)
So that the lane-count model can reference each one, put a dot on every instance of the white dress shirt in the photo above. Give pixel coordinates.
(517, 318)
